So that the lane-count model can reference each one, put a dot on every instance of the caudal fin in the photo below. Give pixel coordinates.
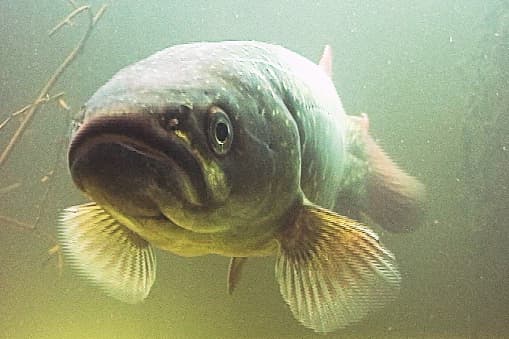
(395, 200)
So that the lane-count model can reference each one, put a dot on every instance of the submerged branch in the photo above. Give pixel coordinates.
(2, 125)
(28, 113)
(99, 14)
(16, 223)
(67, 19)
(9, 188)
(58, 72)
(54, 250)
(44, 100)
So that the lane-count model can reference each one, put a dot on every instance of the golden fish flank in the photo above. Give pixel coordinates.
(219, 148)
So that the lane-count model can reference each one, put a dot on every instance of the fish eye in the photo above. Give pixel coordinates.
(220, 131)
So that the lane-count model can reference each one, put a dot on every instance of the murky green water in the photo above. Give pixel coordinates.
(433, 77)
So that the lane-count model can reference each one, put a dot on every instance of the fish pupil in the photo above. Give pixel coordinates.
(222, 132)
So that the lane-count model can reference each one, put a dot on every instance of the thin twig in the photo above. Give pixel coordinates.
(16, 223)
(38, 233)
(56, 250)
(99, 13)
(31, 112)
(67, 19)
(24, 109)
(2, 125)
(9, 188)
(63, 104)
(44, 100)
(44, 200)
(53, 250)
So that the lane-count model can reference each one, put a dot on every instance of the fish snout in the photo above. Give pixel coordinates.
(133, 164)
(114, 173)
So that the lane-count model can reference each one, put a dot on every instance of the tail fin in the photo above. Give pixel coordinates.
(395, 200)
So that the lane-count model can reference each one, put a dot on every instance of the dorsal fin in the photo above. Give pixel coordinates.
(325, 62)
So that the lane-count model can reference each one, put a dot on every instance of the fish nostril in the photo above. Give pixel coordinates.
(173, 123)
(172, 117)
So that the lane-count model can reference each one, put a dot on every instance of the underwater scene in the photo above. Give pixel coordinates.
(254, 169)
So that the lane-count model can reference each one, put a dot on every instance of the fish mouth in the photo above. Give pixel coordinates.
(131, 164)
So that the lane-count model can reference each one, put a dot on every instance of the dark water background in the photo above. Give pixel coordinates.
(432, 75)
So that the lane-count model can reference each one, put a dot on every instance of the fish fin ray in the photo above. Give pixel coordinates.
(235, 272)
(332, 270)
(106, 252)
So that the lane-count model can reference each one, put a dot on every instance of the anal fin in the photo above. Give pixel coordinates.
(107, 252)
(332, 270)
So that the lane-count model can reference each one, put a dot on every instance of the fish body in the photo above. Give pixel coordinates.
(239, 149)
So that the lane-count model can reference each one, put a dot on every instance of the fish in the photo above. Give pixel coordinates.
(240, 149)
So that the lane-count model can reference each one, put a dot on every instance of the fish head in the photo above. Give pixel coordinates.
(190, 141)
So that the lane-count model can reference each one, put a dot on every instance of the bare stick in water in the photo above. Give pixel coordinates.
(67, 19)
(29, 111)
(9, 188)
(58, 72)
(53, 251)
(16, 223)
(24, 109)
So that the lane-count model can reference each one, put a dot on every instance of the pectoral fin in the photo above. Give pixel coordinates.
(332, 270)
(234, 272)
(107, 252)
